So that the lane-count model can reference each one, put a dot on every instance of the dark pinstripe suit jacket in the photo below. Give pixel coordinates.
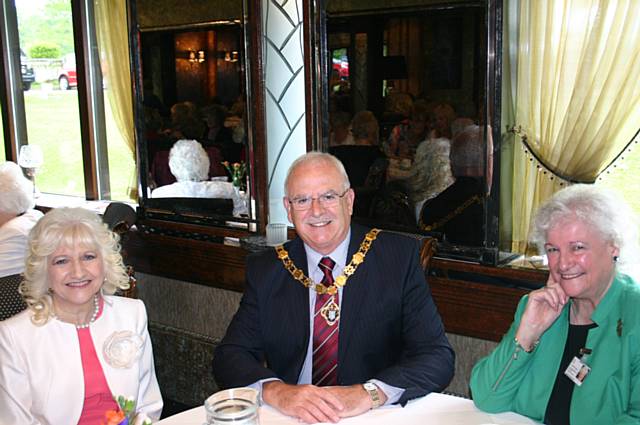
(389, 327)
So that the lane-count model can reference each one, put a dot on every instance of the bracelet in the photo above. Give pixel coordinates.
(530, 350)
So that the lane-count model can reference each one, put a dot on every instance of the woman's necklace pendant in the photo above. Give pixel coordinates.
(330, 312)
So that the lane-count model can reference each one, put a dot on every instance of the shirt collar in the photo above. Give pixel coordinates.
(339, 255)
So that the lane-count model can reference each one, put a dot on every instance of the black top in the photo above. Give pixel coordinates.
(458, 212)
(559, 404)
(357, 160)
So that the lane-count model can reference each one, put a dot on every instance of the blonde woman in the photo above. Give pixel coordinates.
(76, 346)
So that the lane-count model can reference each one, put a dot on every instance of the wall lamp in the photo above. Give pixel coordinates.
(196, 57)
(227, 56)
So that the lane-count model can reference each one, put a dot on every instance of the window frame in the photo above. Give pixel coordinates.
(90, 95)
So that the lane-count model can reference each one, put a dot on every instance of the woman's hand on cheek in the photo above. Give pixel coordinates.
(543, 308)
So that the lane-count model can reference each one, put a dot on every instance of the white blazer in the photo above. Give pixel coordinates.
(41, 378)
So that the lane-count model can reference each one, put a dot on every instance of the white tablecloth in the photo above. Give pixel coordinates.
(434, 409)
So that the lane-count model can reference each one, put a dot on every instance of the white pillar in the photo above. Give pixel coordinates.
(284, 94)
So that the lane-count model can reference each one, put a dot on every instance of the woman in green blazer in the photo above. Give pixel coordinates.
(572, 354)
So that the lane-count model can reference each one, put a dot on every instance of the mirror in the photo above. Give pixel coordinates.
(193, 126)
(406, 100)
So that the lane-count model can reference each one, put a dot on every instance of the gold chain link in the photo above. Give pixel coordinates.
(340, 281)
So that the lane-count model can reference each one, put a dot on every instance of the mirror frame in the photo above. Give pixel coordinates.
(158, 212)
(318, 119)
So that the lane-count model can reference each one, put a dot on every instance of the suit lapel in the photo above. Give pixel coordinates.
(353, 296)
(298, 300)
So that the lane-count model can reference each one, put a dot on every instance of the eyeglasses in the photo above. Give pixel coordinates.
(326, 200)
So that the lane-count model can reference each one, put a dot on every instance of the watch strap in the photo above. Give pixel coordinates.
(372, 390)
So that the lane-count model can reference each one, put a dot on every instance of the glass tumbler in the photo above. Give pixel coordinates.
(238, 406)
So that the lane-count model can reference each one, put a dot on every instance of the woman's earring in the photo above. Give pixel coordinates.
(615, 258)
(50, 291)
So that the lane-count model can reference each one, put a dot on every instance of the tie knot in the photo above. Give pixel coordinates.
(326, 266)
(326, 263)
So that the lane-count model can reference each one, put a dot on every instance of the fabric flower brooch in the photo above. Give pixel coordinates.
(122, 349)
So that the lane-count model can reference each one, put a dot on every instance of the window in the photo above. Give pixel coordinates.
(84, 150)
(624, 170)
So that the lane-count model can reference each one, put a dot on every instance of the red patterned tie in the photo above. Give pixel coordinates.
(325, 337)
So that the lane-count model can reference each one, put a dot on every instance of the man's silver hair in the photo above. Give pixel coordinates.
(16, 191)
(315, 157)
(603, 209)
(188, 161)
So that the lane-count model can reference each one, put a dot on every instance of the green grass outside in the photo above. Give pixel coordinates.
(53, 124)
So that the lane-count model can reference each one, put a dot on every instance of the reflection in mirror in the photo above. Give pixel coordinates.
(192, 131)
(195, 120)
(406, 96)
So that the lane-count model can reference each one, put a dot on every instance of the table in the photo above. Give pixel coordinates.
(435, 408)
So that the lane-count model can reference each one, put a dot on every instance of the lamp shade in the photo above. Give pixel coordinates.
(394, 68)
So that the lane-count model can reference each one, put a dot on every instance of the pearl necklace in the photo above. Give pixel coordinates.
(96, 310)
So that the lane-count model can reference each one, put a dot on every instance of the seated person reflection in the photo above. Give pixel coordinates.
(220, 136)
(364, 161)
(407, 135)
(311, 347)
(458, 210)
(17, 217)
(430, 172)
(76, 346)
(572, 354)
(340, 133)
(442, 116)
(189, 163)
(185, 122)
(358, 157)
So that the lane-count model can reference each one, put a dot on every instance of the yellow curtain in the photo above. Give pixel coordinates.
(577, 96)
(113, 42)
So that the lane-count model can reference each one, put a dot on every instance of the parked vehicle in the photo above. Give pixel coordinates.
(28, 76)
(67, 75)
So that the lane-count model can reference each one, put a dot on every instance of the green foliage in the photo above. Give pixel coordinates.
(44, 50)
(50, 24)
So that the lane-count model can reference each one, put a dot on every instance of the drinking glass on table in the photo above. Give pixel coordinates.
(238, 406)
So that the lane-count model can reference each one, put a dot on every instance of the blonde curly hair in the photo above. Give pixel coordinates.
(68, 227)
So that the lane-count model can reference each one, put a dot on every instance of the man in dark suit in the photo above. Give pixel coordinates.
(458, 211)
(369, 334)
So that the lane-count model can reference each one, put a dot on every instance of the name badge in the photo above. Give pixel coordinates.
(577, 371)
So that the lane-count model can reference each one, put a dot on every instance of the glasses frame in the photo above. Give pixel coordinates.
(317, 198)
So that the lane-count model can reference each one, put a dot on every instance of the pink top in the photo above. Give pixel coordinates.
(97, 395)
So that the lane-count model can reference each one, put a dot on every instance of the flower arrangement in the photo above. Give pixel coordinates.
(126, 413)
(238, 172)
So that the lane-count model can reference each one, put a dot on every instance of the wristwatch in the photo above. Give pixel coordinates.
(372, 389)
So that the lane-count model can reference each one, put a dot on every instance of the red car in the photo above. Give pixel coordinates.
(67, 74)
(342, 66)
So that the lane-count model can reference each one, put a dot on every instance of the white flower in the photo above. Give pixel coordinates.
(141, 419)
(122, 349)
